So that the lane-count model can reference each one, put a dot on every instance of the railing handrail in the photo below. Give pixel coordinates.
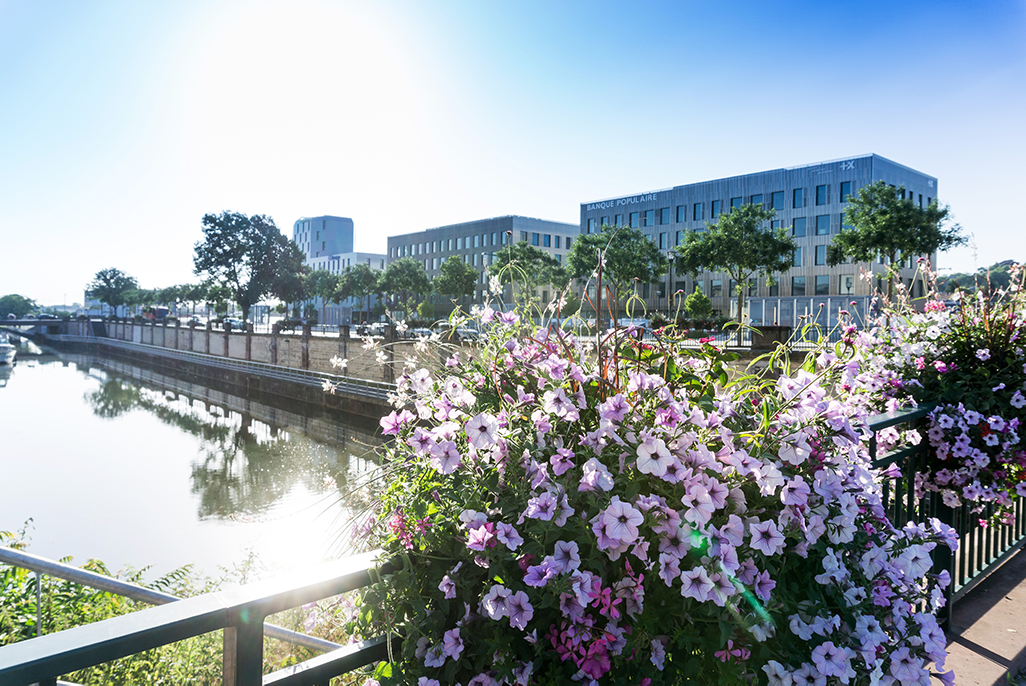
(239, 611)
(83, 577)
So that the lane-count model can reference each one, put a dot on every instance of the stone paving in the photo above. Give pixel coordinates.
(987, 637)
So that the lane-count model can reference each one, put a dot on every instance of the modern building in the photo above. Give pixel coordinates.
(808, 199)
(327, 243)
(477, 242)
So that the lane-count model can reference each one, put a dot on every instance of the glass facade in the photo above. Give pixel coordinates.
(823, 225)
(798, 228)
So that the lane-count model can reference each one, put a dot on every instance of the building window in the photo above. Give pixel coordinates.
(662, 241)
(649, 218)
(735, 203)
(681, 213)
(523, 235)
(568, 241)
(618, 221)
(822, 195)
(797, 285)
(823, 225)
(777, 200)
(604, 222)
(434, 263)
(715, 210)
(535, 238)
(547, 240)
(698, 213)
(797, 257)
(477, 241)
(504, 237)
(798, 228)
(559, 258)
(823, 284)
(757, 199)
(717, 288)
(635, 217)
(774, 289)
(821, 252)
(474, 261)
(664, 215)
(591, 226)
(846, 284)
(459, 243)
(798, 199)
(846, 191)
(774, 224)
(559, 239)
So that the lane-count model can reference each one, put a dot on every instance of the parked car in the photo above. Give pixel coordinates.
(233, 324)
(47, 315)
(419, 332)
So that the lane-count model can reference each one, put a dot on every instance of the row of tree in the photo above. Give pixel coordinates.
(247, 259)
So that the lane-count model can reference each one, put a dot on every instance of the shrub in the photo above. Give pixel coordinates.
(627, 515)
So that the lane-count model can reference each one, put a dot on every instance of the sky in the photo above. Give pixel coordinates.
(122, 123)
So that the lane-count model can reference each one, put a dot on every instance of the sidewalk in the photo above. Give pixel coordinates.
(987, 639)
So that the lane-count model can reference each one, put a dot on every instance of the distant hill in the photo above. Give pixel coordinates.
(986, 278)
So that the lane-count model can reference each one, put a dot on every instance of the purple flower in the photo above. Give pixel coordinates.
(481, 538)
(520, 610)
(566, 556)
(508, 536)
(393, 422)
(596, 476)
(452, 644)
(482, 431)
(621, 521)
(541, 507)
(494, 604)
(562, 461)
(983, 354)
(445, 457)
(653, 456)
(766, 537)
(695, 583)
(763, 585)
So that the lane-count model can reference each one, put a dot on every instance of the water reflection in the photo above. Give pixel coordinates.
(250, 455)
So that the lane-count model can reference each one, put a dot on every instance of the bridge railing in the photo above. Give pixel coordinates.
(983, 547)
(238, 612)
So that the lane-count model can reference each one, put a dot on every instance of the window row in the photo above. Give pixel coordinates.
(484, 259)
(697, 211)
(446, 244)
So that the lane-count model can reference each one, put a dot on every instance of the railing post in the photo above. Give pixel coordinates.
(243, 661)
(39, 604)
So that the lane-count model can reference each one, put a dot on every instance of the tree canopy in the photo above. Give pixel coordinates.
(739, 245)
(629, 257)
(248, 256)
(456, 278)
(884, 222)
(358, 281)
(111, 286)
(527, 268)
(15, 304)
(405, 279)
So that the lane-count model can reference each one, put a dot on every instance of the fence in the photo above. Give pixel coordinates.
(239, 612)
(982, 547)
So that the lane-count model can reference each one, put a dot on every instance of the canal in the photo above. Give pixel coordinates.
(127, 464)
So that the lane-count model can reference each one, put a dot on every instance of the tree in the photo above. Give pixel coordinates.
(405, 279)
(628, 257)
(249, 256)
(526, 266)
(738, 245)
(698, 306)
(324, 285)
(456, 278)
(358, 281)
(110, 286)
(886, 223)
(17, 305)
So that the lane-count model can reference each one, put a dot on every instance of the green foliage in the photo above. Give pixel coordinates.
(527, 268)
(405, 279)
(628, 257)
(358, 281)
(426, 310)
(886, 223)
(111, 286)
(698, 305)
(739, 245)
(987, 279)
(249, 257)
(17, 305)
(456, 278)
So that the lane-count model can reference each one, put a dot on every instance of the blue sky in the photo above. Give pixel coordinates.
(122, 123)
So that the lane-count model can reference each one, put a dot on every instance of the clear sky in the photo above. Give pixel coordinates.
(122, 122)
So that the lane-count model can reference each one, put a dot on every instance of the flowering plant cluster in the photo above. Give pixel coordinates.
(968, 362)
(627, 514)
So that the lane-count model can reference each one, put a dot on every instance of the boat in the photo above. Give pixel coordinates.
(7, 351)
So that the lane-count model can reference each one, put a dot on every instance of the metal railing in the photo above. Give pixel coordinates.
(344, 384)
(239, 612)
(983, 547)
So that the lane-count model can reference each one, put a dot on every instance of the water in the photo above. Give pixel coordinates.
(131, 466)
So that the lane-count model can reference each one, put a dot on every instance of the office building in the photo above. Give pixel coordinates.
(809, 200)
(477, 242)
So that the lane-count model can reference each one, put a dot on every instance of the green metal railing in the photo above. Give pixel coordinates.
(238, 612)
(982, 547)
